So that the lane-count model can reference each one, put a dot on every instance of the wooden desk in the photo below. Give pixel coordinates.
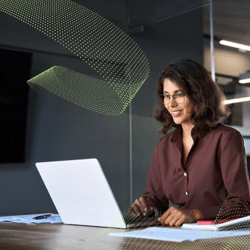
(59, 236)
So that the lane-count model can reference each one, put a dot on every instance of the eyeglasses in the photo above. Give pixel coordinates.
(179, 98)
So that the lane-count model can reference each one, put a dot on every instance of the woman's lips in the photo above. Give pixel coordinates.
(175, 113)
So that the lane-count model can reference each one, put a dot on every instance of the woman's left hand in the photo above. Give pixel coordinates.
(176, 216)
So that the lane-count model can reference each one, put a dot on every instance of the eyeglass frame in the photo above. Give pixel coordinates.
(164, 95)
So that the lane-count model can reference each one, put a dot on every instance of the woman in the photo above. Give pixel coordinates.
(200, 166)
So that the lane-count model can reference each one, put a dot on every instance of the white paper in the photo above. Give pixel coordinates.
(178, 235)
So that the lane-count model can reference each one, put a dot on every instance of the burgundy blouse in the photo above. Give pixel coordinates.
(215, 170)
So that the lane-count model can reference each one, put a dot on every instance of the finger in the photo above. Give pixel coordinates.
(139, 204)
(165, 215)
(174, 218)
(150, 210)
(169, 215)
(171, 221)
(144, 207)
(130, 210)
(144, 204)
(180, 221)
(147, 210)
(136, 210)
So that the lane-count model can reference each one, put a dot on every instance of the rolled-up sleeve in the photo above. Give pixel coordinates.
(235, 176)
(154, 195)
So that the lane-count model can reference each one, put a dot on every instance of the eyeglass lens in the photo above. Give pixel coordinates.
(179, 98)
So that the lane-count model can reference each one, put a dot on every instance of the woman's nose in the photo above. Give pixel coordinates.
(172, 102)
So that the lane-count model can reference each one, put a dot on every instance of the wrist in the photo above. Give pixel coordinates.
(197, 214)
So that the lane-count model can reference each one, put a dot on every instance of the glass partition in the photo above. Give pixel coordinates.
(230, 24)
(124, 144)
(172, 31)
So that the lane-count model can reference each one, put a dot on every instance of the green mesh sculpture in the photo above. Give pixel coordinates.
(102, 45)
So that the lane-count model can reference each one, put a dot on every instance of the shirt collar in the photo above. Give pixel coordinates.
(195, 132)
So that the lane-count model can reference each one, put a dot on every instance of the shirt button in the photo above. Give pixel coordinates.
(186, 193)
(185, 174)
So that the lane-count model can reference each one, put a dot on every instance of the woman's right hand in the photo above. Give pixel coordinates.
(140, 207)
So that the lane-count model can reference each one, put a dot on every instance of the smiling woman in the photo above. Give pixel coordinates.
(181, 107)
(194, 80)
(200, 166)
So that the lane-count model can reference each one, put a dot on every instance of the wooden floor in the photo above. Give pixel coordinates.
(60, 236)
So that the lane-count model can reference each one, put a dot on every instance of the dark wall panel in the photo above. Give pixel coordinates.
(15, 70)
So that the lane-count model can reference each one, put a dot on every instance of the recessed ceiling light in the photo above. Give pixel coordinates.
(237, 100)
(245, 81)
(235, 45)
(244, 78)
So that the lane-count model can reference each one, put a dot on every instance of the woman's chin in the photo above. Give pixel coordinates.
(177, 121)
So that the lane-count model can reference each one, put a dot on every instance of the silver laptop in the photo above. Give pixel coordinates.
(82, 195)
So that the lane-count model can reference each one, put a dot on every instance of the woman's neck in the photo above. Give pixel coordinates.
(186, 130)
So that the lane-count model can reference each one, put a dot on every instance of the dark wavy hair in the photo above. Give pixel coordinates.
(195, 80)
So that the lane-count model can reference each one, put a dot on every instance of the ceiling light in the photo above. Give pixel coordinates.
(244, 78)
(237, 100)
(245, 81)
(235, 45)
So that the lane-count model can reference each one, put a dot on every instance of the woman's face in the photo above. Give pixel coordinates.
(185, 109)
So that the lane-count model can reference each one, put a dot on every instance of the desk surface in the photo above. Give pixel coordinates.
(60, 236)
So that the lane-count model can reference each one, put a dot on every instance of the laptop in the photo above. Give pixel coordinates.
(82, 195)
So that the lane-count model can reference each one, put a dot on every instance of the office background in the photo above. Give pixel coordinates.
(59, 130)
